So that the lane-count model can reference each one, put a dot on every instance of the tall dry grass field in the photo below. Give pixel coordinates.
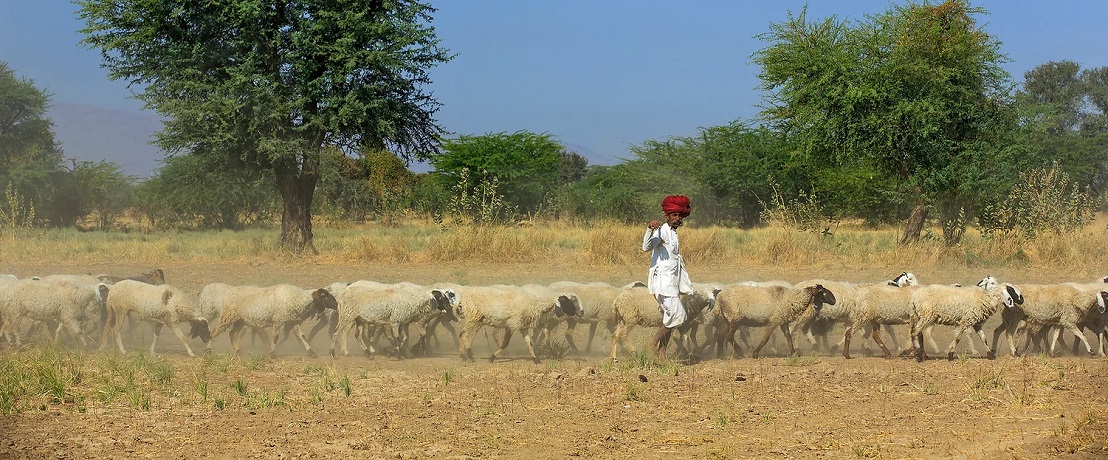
(555, 244)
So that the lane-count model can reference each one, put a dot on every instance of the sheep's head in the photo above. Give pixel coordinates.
(988, 283)
(200, 329)
(570, 305)
(1101, 300)
(155, 277)
(904, 279)
(441, 300)
(820, 296)
(322, 299)
(1011, 296)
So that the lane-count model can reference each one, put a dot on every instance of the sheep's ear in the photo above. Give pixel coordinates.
(1014, 293)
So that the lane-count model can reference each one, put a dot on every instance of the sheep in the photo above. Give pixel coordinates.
(511, 308)
(815, 325)
(155, 277)
(961, 307)
(431, 323)
(875, 306)
(272, 309)
(596, 303)
(636, 306)
(772, 307)
(400, 304)
(163, 305)
(1061, 305)
(47, 301)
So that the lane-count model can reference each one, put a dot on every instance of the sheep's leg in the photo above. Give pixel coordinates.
(571, 327)
(958, 330)
(619, 338)
(508, 338)
(530, 347)
(295, 327)
(916, 328)
(319, 326)
(1007, 335)
(889, 329)
(157, 332)
(1081, 336)
(117, 331)
(876, 334)
(845, 342)
(75, 329)
(592, 333)
(788, 338)
(180, 336)
(235, 336)
(465, 340)
(765, 339)
(931, 338)
(401, 339)
(989, 353)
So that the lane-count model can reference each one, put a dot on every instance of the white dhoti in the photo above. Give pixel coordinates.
(673, 313)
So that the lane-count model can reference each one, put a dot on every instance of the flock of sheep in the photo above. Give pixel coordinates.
(84, 304)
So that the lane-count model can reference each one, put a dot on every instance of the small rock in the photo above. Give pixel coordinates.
(642, 378)
(740, 378)
(586, 372)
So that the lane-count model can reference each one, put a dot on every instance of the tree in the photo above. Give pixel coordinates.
(1064, 109)
(275, 85)
(526, 166)
(30, 158)
(912, 92)
(207, 192)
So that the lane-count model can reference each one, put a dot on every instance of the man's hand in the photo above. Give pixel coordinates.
(654, 225)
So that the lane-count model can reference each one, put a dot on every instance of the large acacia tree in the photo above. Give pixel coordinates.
(272, 85)
(917, 92)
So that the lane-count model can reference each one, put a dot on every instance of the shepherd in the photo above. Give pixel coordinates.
(667, 279)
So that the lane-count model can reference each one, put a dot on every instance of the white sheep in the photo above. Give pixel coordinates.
(636, 306)
(51, 302)
(1059, 306)
(596, 303)
(273, 309)
(400, 305)
(431, 324)
(817, 326)
(162, 305)
(961, 307)
(770, 307)
(510, 308)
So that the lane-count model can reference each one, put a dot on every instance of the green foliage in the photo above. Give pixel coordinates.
(196, 191)
(1044, 200)
(526, 167)
(909, 92)
(26, 135)
(481, 204)
(15, 212)
(274, 88)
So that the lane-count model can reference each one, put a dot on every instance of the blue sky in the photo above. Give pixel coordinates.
(600, 76)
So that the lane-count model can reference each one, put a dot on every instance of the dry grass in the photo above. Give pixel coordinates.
(560, 244)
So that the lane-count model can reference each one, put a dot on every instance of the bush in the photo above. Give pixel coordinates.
(1044, 200)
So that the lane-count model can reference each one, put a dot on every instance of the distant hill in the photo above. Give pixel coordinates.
(93, 133)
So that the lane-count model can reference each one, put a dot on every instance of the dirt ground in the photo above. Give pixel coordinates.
(817, 405)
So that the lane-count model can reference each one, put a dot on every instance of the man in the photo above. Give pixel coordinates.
(667, 278)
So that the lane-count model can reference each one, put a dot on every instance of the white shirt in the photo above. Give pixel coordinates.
(667, 271)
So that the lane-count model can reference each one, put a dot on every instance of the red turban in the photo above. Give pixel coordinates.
(676, 203)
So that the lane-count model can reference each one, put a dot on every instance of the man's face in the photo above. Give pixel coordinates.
(674, 219)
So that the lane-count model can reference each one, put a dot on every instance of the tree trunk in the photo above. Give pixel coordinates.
(297, 187)
(914, 226)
